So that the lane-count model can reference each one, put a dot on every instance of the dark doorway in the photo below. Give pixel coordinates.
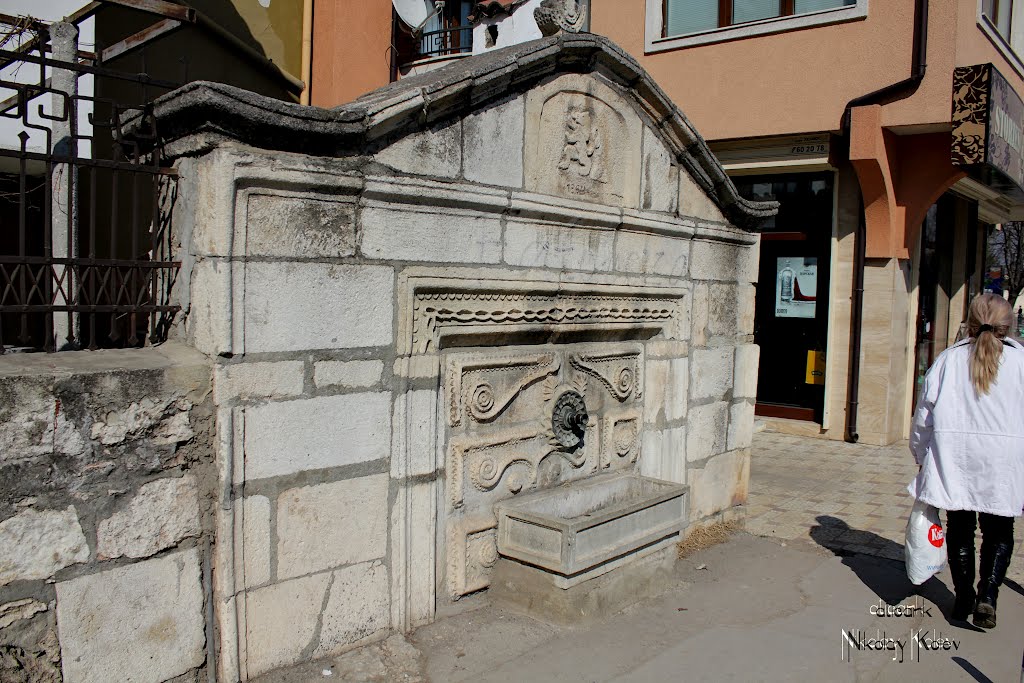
(791, 313)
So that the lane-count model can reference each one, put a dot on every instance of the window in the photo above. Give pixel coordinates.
(684, 17)
(999, 13)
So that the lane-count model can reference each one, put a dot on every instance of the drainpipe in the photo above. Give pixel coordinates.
(890, 93)
(307, 51)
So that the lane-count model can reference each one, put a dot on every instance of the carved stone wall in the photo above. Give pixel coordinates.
(501, 444)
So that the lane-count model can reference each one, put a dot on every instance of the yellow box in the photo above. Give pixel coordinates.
(815, 367)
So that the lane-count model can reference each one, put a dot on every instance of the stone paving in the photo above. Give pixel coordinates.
(846, 497)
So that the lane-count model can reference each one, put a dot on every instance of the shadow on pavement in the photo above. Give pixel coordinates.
(972, 670)
(887, 578)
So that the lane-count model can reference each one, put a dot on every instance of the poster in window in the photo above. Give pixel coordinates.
(796, 287)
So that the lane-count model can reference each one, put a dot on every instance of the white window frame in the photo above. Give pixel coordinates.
(1001, 43)
(655, 20)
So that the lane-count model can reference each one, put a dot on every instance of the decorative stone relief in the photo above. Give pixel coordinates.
(501, 442)
(583, 142)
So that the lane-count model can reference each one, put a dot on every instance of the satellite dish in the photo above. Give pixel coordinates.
(413, 12)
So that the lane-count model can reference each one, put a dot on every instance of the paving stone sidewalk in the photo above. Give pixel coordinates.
(846, 497)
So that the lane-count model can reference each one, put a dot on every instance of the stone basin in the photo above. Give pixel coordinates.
(574, 528)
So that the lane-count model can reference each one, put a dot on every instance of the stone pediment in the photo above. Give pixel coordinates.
(590, 113)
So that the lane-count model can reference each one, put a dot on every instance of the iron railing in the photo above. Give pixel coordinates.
(85, 204)
(449, 41)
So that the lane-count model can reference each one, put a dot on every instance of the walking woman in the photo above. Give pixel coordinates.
(968, 439)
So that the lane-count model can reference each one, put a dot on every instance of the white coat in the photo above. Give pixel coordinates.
(971, 448)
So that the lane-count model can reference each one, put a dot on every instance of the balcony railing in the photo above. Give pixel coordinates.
(449, 41)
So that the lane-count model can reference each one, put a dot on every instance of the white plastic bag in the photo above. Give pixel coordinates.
(925, 548)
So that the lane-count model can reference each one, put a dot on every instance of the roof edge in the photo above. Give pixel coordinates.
(422, 101)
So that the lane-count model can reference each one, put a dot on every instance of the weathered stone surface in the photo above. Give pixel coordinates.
(435, 152)
(720, 484)
(583, 141)
(664, 454)
(159, 516)
(33, 425)
(665, 389)
(299, 226)
(413, 538)
(316, 433)
(414, 439)
(637, 252)
(164, 421)
(18, 610)
(358, 607)
(723, 311)
(328, 525)
(415, 233)
(247, 381)
(660, 184)
(722, 261)
(142, 622)
(281, 621)
(30, 654)
(745, 374)
(708, 425)
(741, 425)
(493, 144)
(711, 372)
(550, 246)
(256, 544)
(352, 374)
(35, 545)
(699, 315)
(209, 297)
(694, 203)
(323, 306)
(745, 304)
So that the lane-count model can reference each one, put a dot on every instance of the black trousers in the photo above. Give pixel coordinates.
(960, 525)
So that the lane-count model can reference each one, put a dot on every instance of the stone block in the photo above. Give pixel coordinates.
(323, 306)
(350, 374)
(417, 233)
(492, 144)
(414, 439)
(745, 373)
(663, 454)
(436, 152)
(358, 606)
(741, 425)
(665, 390)
(695, 203)
(745, 304)
(255, 550)
(316, 433)
(328, 525)
(721, 484)
(36, 545)
(699, 315)
(413, 529)
(710, 372)
(639, 252)
(659, 190)
(281, 621)
(708, 431)
(248, 381)
(723, 261)
(561, 247)
(142, 622)
(158, 516)
(208, 322)
(583, 142)
(299, 226)
(723, 310)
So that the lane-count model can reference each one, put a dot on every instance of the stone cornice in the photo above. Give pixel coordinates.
(219, 111)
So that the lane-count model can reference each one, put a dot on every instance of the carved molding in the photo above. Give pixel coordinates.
(621, 437)
(622, 375)
(473, 550)
(485, 400)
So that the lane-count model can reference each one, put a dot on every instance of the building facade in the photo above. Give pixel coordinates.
(889, 132)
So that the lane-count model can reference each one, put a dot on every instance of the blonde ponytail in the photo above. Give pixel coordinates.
(988, 322)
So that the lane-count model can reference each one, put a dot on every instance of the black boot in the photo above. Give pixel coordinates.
(995, 559)
(961, 566)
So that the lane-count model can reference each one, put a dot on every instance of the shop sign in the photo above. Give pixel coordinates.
(988, 117)
(796, 287)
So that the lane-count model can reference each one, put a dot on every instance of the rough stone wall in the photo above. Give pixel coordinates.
(106, 477)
